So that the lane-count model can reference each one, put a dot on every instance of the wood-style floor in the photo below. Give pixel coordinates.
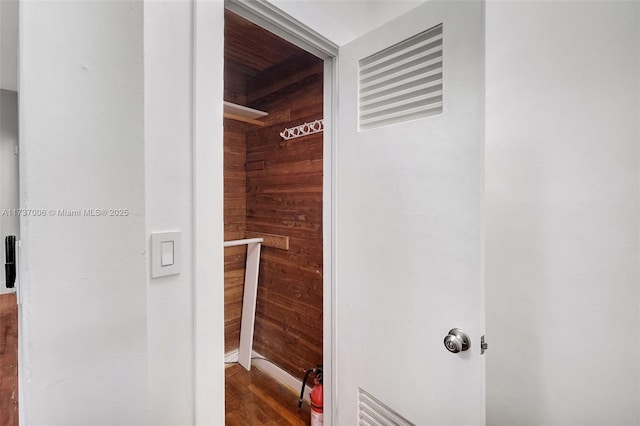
(8, 360)
(254, 398)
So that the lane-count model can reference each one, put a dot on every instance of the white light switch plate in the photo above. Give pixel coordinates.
(165, 245)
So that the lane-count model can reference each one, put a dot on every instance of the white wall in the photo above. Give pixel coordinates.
(83, 147)
(106, 344)
(9, 45)
(186, 376)
(562, 213)
(168, 70)
(9, 224)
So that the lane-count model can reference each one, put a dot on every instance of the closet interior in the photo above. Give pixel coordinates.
(273, 183)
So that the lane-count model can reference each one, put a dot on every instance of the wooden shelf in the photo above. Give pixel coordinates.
(270, 240)
(242, 113)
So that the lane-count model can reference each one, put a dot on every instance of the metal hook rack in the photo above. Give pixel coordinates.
(303, 130)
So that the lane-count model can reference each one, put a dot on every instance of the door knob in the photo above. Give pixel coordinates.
(457, 341)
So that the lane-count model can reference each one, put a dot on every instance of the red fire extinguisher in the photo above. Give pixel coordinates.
(316, 396)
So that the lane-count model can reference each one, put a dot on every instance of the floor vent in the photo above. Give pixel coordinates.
(372, 412)
(402, 82)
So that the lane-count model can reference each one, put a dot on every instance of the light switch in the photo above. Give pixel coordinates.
(166, 249)
(165, 253)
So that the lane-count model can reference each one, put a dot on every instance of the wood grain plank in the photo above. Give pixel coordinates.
(285, 198)
(297, 71)
(8, 360)
(254, 398)
(256, 49)
(243, 119)
(235, 224)
(273, 403)
(255, 165)
(270, 240)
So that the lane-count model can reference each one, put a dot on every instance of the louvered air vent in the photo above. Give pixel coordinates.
(372, 412)
(402, 82)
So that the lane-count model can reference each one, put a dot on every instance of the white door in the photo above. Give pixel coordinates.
(409, 199)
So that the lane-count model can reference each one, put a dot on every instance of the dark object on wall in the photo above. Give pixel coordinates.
(10, 260)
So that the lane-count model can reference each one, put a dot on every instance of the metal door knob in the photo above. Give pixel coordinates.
(457, 341)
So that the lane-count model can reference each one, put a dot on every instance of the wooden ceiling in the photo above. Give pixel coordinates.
(251, 49)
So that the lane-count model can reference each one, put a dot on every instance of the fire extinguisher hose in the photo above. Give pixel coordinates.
(304, 383)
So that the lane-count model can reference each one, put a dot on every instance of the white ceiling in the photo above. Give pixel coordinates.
(342, 21)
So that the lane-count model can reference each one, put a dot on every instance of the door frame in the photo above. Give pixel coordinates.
(207, 209)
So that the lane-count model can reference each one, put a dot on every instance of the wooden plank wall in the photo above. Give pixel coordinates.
(8, 360)
(235, 206)
(285, 198)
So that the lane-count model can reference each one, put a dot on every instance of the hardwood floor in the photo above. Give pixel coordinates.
(254, 398)
(8, 360)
